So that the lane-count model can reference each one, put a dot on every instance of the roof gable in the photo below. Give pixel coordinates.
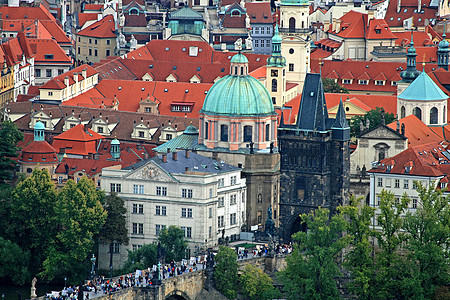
(150, 171)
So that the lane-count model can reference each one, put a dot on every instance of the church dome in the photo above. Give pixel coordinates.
(238, 96)
(39, 125)
(423, 88)
(444, 43)
(115, 142)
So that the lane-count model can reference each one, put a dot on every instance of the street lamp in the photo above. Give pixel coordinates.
(65, 279)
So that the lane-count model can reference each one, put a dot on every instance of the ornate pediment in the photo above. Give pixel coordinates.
(150, 171)
(382, 132)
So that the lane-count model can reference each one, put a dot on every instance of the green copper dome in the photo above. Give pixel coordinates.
(423, 88)
(295, 2)
(238, 96)
(239, 58)
(39, 126)
(115, 142)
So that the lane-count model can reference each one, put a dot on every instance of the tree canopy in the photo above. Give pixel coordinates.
(225, 272)
(9, 137)
(140, 258)
(173, 241)
(373, 118)
(331, 86)
(255, 284)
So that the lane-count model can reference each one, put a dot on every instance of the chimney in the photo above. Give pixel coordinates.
(186, 153)
(168, 150)
(419, 6)
(175, 155)
(399, 5)
(84, 73)
(326, 25)
(338, 25)
(186, 169)
(75, 77)
(164, 157)
(370, 16)
(66, 81)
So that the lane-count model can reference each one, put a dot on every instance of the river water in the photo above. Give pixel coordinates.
(11, 292)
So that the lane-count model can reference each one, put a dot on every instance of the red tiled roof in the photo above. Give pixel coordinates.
(135, 20)
(84, 17)
(364, 76)
(43, 47)
(381, 76)
(103, 28)
(24, 12)
(416, 131)
(379, 25)
(333, 75)
(348, 75)
(408, 8)
(38, 152)
(259, 12)
(78, 133)
(77, 141)
(328, 43)
(320, 53)
(420, 38)
(14, 49)
(93, 7)
(353, 25)
(234, 21)
(58, 81)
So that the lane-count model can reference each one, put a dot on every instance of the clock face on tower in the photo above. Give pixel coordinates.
(274, 73)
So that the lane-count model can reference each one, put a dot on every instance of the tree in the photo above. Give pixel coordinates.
(173, 241)
(394, 278)
(114, 230)
(80, 216)
(140, 259)
(225, 272)
(9, 137)
(331, 86)
(375, 119)
(359, 260)
(13, 262)
(428, 234)
(31, 219)
(312, 268)
(255, 284)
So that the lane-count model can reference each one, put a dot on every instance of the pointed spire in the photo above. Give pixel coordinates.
(282, 118)
(443, 52)
(411, 72)
(340, 128)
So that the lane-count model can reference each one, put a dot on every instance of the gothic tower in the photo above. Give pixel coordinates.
(443, 52)
(276, 72)
(315, 159)
(295, 33)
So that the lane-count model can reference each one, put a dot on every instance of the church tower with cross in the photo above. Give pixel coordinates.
(295, 33)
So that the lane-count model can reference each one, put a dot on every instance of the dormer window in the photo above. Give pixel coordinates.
(379, 82)
(407, 169)
(363, 82)
(377, 31)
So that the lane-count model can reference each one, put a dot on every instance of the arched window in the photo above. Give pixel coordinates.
(248, 130)
(434, 115)
(303, 24)
(242, 70)
(267, 132)
(292, 24)
(206, 130)
(224, 133)
(402, 112)
(235, 13)
(274, 85)
(235, 70)
(417, 112)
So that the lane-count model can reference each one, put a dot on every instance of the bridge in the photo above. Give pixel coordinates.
(195, 285)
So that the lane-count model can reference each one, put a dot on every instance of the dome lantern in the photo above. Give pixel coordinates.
(39, 131)
(239, 65)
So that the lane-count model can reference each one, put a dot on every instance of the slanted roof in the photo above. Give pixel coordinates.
(423, 88)
(186, 141)
(259, 12)
(104, 28)
(416, 131)
(78, 133)
(185, 13)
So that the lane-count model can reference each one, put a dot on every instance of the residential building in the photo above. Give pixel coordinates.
(186, 24)
(261, 26)
(202, 196)
(50, 60)
(97, 41)
(315, 159)
(402, 14)
(7, 80)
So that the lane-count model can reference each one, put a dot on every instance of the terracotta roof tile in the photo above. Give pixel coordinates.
(44, 47)
(35, 12)
(58, 82)
(416, 131)
(259, 12)
(408, 9)
(103, 28)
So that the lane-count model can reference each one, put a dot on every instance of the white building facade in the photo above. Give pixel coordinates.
(202, 196)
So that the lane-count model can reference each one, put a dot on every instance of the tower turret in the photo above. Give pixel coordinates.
(411, 72)
(39, 131)
(276, 72)
(443, 52)
(115, 148)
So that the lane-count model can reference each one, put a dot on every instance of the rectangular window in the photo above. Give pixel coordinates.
(90, 41)
(187, 231)
(210, 212)
(60, 179)
(262, 43)
(79, 50)
(256, 43)
(116, 188)
(90, 51)
(346, 81)
(414, 186)
(108, 42)
(363, 82)
(233, 180)
(378, 200)
(37, 72)
(380, 182)
(233, 219)
(108, 52)
(291, 67)
(48, 73)
(210, 193)
(60, 71)
(397, 183)
(161, 191)
(233, 199)
(210, 232)
(221, 202)
(388, 182)
(114, 247)
(138, 228)
(95, 52)
(158, 210)
(159, 228)
(221, 182)
(379, 82)
(186, 212)
(414, 203)
(186, 193)
(406, 184)
(135, 208)
(220, 222)
(138, 189)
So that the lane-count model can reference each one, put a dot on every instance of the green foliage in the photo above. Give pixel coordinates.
(428, 234)
(140, 258)
(255, 284)
(312, 269)
(359, 260)
(31, 218)
(375, 118)
(9, 137)
(330, 86)
(173, 241)
(13, 262)
(225, 272)
(80, 215)
(114, 228)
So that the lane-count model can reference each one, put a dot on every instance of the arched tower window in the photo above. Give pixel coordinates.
(248, 130)
(274, 85)
(402, 112)
(303, 24)
(267, 132)
(224, 133)
(292, 24)
(434, 115)
(206, 130)
(417, 112)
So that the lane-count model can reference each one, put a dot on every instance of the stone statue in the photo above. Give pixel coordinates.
(383, 117)
(33, 288)
(238, 44)
(249, 42)
(398, 126)
(159, 271)
(271, 147)
(93, 259)
(122, 40)
(270, 224)
(247, 22)
(361, 126)
(251, 147)
(121, 19)
(133, 42)
(367, 124)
